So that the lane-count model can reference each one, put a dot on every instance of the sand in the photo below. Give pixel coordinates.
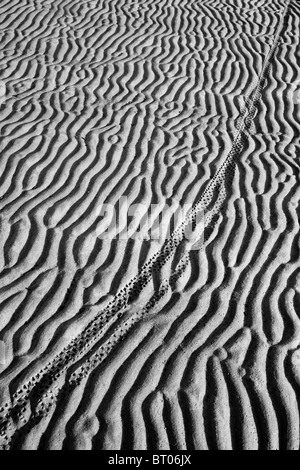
(138, 341)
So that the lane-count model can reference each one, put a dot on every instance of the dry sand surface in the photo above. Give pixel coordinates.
(135, 342)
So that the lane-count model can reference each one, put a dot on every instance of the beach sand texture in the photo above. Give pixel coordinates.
(135, 343)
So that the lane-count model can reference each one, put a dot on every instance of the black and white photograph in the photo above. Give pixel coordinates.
(149, 227)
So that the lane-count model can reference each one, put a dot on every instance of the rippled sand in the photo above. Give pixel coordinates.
(135, 342)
